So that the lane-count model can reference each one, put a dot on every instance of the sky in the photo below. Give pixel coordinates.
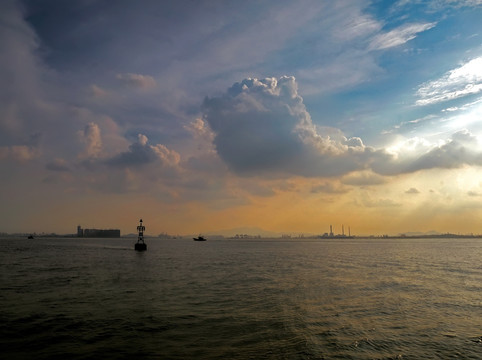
(225, 116)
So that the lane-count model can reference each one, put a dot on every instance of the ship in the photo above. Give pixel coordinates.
(200, 238)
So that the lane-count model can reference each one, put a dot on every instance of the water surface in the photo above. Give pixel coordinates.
(241, 299)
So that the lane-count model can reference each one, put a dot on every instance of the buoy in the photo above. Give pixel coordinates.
(140, 244)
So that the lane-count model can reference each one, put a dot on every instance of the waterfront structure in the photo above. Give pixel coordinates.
(140, 244)
(97, 233)
(332, 235)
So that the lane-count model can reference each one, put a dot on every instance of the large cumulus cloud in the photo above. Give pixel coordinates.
(262, 125)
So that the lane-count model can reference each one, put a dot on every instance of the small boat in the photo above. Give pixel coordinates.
(200, 238)
(30, 237)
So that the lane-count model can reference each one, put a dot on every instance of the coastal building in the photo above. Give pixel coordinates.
(97, 233)
(332, 235)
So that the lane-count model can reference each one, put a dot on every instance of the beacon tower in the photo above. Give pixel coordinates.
(140, 244)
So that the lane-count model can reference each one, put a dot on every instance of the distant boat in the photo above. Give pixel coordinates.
(30, 237)
(200, 238)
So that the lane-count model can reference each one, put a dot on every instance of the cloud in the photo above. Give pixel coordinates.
(329, 188)
(454, 3)
(345, 71)
(143, 82)
(462, 81)
(411, 147)
(262, 126)
(4, 151)
(141, 153)
(462, 148)
(369, 202)
(37, 101)
(199, 129)
(21, 73)
(21, 153)
(29, 149)
(398, 36)
(91, 137)
(57, 165)
(254, 125)
(202, 135)
(97, 92)
(142, 167)
(366, 178)
(412, 191)
(351, 23)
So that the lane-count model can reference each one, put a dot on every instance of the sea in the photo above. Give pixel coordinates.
(73, 298)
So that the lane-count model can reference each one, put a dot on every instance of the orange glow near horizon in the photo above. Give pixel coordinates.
(405, 204)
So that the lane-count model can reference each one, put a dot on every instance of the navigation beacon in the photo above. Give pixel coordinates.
(140, 244)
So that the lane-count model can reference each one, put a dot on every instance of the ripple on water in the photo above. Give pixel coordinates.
(357, 299)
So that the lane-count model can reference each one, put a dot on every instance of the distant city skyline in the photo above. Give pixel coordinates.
(278, 115)
(246, 233)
